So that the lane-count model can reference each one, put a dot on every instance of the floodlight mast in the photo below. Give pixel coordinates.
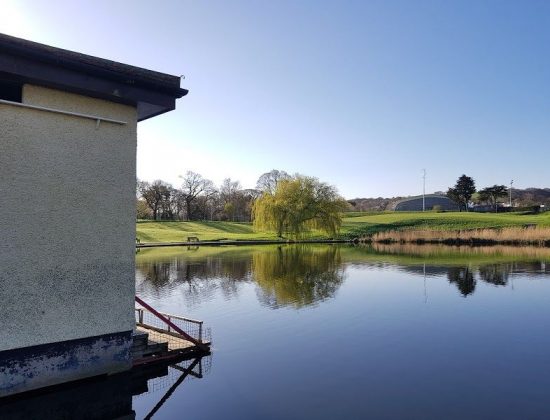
(424, 190)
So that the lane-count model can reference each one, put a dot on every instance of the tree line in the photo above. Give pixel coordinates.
(280, 202)
(196, 199)
(528, 197)
(463, 193)
(290, 204)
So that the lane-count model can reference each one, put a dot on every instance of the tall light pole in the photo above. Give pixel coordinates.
(424, 190)
(511, 183)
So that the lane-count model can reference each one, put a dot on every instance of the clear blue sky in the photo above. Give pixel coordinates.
(361, 94)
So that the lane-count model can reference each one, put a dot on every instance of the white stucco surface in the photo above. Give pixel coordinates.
(67, 220)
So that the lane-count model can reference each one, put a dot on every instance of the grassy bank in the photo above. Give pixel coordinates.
(357, 225)
(373, 223)
(149, 231)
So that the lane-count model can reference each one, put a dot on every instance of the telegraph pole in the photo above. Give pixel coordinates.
(511, 183)
(424, 190)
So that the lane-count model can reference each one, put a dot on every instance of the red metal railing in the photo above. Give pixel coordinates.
(171, 325)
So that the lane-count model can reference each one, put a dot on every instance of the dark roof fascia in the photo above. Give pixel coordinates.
(151, 113)
(30, 62)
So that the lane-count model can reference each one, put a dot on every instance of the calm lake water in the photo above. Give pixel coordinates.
(324, 332)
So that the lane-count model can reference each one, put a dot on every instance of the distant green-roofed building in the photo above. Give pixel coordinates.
(431, 201)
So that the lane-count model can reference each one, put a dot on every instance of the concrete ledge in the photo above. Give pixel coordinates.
(36, 367)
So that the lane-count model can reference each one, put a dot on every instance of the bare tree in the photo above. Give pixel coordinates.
(178, 204)
(268, 182)
(194, 185)
(229, 189)
(156, 195)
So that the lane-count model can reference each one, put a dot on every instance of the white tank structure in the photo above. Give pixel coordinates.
(68, 125)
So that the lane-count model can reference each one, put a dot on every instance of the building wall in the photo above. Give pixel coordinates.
(67, 220)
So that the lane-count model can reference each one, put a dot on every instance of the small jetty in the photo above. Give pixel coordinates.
(164, 337)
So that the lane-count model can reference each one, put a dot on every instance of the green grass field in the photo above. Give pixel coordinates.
(355, 226)
(373, 223)
(149, 231)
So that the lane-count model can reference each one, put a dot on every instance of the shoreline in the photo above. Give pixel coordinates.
(245, 242)
(447, 242)
(444, 228)
(459, 242)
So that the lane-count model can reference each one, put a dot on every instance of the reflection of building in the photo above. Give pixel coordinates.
(428, 270)
(67, 169)
(431, 200)
(107, 397)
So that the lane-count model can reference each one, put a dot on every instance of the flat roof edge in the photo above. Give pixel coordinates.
(32, 62)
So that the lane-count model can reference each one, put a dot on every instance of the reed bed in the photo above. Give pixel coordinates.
(535, 235)
(523, 253)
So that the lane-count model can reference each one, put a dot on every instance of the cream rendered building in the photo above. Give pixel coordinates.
(67, 210)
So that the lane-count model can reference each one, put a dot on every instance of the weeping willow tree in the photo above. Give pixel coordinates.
(298, 205)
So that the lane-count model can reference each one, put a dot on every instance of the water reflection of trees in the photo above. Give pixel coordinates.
(287, 275)
(300, 275)
(445, 261)
(297, 275)
(198, 280)
(464, 279)
(496, 274)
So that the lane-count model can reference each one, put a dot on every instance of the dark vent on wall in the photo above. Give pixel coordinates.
(10, 91)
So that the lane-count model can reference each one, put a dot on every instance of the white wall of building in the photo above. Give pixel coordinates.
(67, 220)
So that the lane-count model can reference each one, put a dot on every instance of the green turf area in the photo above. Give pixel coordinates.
(148, 231)
(359, 224)
(378, 222)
